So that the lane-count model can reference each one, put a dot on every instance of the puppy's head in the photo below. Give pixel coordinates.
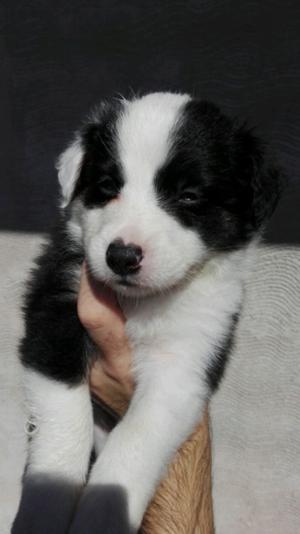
(155, 185)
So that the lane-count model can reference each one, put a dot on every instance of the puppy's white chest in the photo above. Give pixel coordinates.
(192, 316)
(147, 322)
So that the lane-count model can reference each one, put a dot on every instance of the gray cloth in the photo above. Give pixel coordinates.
(255, 414)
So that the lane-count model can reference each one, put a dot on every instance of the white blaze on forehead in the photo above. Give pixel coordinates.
(144, 133)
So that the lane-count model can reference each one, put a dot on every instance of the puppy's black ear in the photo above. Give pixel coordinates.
(258, 175)
(68, 166)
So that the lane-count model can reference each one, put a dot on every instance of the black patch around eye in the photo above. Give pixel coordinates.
(101, 191)
(177, 177)
(99, 182)
(100, 179)
(179, 188)
(210, 157)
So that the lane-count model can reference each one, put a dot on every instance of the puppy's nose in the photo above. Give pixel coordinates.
(123, 259)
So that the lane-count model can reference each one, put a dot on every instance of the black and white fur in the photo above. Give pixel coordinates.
(180, 194)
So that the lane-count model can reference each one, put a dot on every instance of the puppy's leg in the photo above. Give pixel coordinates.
(59, 453)
(161, 416)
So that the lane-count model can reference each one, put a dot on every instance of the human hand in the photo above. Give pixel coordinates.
(98, 310)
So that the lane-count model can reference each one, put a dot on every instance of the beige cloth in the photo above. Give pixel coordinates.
(255, 415)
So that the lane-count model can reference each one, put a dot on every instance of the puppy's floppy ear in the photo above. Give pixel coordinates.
(260, 176)
(68, 166)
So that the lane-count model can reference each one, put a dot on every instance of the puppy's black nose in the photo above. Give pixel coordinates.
(123, 259)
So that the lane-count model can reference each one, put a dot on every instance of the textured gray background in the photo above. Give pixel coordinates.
(59, 58)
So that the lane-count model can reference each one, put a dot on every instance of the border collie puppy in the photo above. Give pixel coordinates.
(165, 198)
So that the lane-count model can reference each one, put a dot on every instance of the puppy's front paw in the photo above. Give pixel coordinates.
(46, 506)
(103, 508)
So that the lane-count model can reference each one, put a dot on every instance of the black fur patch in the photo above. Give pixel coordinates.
(216, 368)
(100, 178)
(215, 180)
(55, 343)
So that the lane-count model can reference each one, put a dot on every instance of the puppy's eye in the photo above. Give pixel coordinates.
(108, 185)
(188, 198)
(104, 190)
(105, 181)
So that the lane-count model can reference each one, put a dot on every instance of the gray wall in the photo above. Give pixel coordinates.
(59, 58)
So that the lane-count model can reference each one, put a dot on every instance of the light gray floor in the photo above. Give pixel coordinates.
(255, 414)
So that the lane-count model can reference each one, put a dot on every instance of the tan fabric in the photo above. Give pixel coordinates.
(183, 503)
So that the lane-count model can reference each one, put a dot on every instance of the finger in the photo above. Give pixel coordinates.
(118, 370)
(97, 304)
(112, 392)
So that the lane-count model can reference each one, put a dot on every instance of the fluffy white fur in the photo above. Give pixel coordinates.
(64, 428)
